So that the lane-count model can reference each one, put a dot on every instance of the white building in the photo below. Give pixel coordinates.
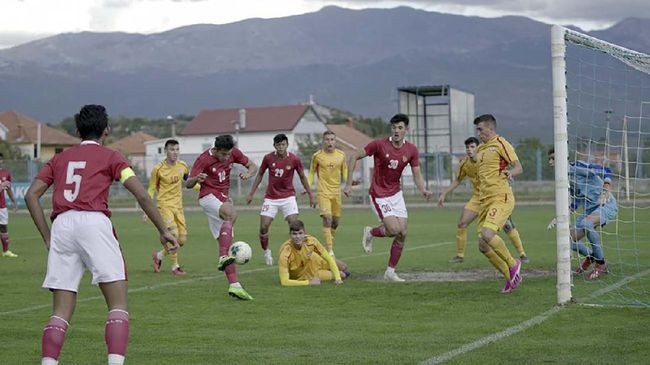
(254, 132)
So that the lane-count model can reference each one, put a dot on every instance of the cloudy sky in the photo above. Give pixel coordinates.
(25, 20)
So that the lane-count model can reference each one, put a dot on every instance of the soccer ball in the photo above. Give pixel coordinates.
(241, 251)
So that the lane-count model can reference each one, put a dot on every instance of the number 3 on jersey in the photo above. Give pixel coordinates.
(392, 164)
(72, 178)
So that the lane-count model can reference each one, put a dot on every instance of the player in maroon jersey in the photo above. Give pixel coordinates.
(82, 235)
(280, 194)
(212, 170)
(5, 185)
(391, 155)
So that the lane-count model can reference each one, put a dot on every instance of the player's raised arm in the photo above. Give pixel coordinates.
(34, 193)
(352, 163)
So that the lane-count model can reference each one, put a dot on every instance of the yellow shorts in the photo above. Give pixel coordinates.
(174, 219)
(474, 204)
(329, 205)
(495, 211)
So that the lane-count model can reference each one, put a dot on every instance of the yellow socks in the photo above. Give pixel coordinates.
(461, 240)
(329, 241)
(173, 257)
(497, 244)
(516, 241)
(498, 263)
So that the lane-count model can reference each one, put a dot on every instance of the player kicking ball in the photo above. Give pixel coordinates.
(212, 170)
(391, 155)
(280, 193)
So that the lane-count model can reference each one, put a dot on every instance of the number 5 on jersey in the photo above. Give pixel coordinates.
(72, 178)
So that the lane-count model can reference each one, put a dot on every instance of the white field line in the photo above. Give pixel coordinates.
(202, 278)
(523, 325)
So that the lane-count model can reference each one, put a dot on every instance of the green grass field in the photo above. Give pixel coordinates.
(192, 320)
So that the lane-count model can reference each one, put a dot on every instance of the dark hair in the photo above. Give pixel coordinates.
(327, 133)
(486, 118)
(2, 156)
(296, 225)
(551, 151)
(280, 138)
(224, 142)
(399, 118)
(171, 142)
(471, 140)
(91, 121)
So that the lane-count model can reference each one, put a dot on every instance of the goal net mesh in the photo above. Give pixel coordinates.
(608, 124)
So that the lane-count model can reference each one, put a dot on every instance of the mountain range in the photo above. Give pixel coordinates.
(349, 59)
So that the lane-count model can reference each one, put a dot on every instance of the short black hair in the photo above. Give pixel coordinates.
(171, 142)
(91, 121)
(224, 142)
(486, 118)
(471, 140)
(551, 151)
(399, 118)
(280, 138)
(2, 156)
(296, 225)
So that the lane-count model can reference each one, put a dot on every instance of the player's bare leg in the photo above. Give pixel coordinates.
(265, 223)
(466, 218)
(396, 228)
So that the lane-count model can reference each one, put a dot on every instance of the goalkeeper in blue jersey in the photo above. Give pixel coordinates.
(589, 186)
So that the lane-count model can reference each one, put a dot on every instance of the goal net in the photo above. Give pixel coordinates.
(601, 100)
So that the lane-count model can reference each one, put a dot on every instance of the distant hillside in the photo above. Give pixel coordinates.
(350, 59)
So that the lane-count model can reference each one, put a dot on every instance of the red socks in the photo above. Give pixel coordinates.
(225, 240)
(379, 231)
(117, 331)
(264, 241)
(4, 237)
(395, 253)
(53, 337)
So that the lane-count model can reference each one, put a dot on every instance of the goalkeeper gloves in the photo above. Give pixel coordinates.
(552, 224)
